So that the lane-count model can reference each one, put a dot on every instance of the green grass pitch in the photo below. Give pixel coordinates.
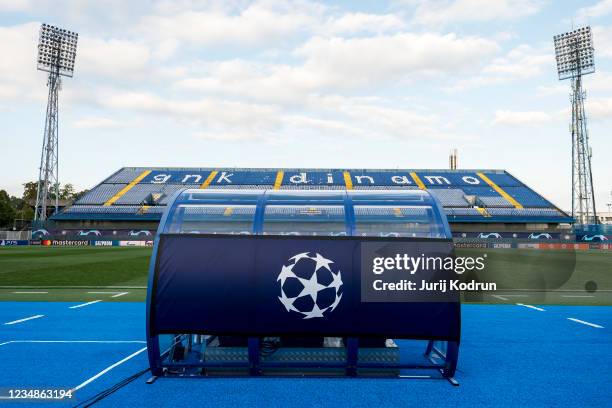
(71, 273)
(87, 273)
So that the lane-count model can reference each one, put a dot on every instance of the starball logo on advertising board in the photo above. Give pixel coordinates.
(310, 285)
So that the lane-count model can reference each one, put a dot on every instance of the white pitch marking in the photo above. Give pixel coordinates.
(84, 304)
(577, 296)
(23, 293)
(587, 323)
(102, 293)
(120, 294)
(107, 369)
(531, 307)
(515, 295)
(499, 297)
(24, 320)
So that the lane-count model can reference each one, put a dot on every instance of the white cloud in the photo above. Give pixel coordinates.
(15, 5)
(521, 118)
(97, 123)
(377, 118)
(553, 90)
(215, 114)
(505, 36)
(599, 9)
(396, 122)
(351, 23)
(112, 58)
(387, 58)
(599, 108)
(338, 64)
(225, 136)
(436, 12)
(242, 79)
(259, 24)
(602, 41)
(520, 63)
(326, 126)
(322, 117)
(19, 79)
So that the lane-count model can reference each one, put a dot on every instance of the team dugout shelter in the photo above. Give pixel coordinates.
(477, 203)
(280, 282)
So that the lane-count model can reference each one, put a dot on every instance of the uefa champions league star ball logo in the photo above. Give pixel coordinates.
(309, 285)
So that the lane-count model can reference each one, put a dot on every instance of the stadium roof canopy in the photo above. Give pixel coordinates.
(139, 193)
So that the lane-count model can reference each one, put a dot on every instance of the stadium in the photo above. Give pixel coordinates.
(536, 261)
(477, 203)
(277, 229)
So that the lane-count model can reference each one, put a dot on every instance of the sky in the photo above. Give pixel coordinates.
(367, 84)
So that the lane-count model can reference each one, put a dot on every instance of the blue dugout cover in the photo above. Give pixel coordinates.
(232, 285)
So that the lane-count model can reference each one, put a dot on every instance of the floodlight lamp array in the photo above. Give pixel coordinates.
(574, 53)
(57, 50)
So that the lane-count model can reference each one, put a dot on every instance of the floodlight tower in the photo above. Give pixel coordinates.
(574, 54)
(56, 55)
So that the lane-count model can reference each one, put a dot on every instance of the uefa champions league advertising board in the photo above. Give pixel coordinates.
(262, 285)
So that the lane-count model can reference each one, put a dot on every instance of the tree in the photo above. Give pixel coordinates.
(7, 212)
(66, 192)
(22, 208)
(29, 190)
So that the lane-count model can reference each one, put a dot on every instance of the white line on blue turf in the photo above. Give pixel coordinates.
(84, 304)
(24, 320)
(120, 294)
(107, 369)
(587, 323)
(531, 307)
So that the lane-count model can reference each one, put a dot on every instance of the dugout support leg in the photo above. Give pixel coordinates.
(450, 359)
(429, 348)
(154, 356)
(352, 355)
(254, 368)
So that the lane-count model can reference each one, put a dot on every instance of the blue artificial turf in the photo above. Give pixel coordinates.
(509, 356)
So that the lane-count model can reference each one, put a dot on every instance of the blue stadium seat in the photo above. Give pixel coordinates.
(450, 197)
(450, 187)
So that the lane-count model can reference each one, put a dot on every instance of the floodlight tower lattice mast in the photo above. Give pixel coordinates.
(56, 55)
(574, 55)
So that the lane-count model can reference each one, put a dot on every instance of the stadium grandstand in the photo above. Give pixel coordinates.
(478, 203)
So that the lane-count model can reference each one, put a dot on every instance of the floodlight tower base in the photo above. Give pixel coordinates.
(47, 194)
(583, 198)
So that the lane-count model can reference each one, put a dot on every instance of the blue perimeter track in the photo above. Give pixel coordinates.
(510, 355)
